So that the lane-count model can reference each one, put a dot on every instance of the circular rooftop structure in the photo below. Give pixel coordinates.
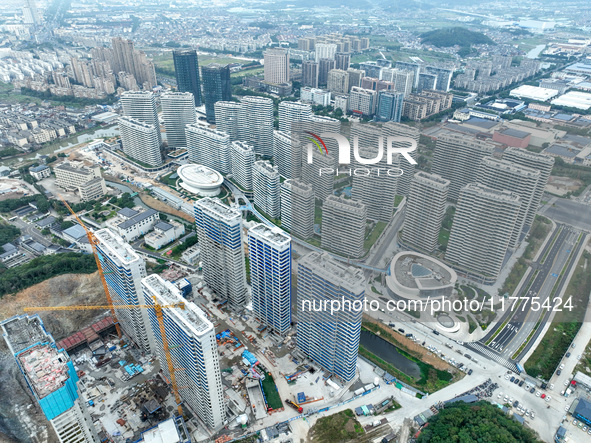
(416, 276)
(200, 180)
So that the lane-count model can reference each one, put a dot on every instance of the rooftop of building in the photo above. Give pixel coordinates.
(323, 265)
(216, 206)
(418, 271)
(563, 150)
(137, 124)
(434, 178)
(514, 133)
(163, 226)
(265, 167)
(275, 236)
(39, 168)
(65, 166)
(115, 245)
(46, 368)
(137, 218)
(24, 331)
(506, 165)
(75, 232)
(495, 194)
(196, 127)
(127, 212)
(167, 293)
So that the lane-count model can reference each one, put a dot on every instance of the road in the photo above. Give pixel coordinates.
(30, 229)
(520, 318)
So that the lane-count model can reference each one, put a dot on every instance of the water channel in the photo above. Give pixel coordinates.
(388, 352)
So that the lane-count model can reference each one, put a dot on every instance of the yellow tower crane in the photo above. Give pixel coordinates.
(157, 308)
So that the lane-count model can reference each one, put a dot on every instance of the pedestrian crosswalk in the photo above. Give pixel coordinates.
(488, 353)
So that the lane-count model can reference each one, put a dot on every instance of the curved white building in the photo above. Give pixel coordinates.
(415, 276)
(200, 180)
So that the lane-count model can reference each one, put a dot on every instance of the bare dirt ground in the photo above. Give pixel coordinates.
(21, 420)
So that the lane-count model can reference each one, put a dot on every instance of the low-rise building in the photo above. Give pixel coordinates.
(40, 172)
(87, 181)
(164, 233)
(136, 223)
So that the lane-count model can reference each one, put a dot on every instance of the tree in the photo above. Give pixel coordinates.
(472, 423)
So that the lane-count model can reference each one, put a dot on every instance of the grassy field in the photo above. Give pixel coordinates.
(271, 393)
(339, 427)
(566, 324)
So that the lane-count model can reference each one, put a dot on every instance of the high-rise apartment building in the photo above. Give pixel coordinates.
(124, 57)
(371, 69)
(285, 152)
(389, 106)
(342, 60)
(402, 80)
(540, 162)
(242, 157)
(355, 77)
(141, 105)
(297, 208)
(504, 175)
(426, 81)
(425, 210)
(310, 73)
(331, 340)
(409, 66)
(338, 81)
(377, 191)
(276, 68)
(255, 124)
(343, 226)
(209, 147)
(186, 70)
(50, 375)
(457, 158)
(324, 67)
(140, 141)
(227, 117)
(269, 251)
(444, 76)
(124, 270)
(484, 221)
(219, 228)
(216, 87)
(265, 183)
(193, 348)
(31, 14)
(178, 111)
(362, 101)
(325, 50)
(394, 129)
(291, 112)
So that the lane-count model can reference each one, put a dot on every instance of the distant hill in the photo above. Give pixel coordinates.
(446, 37)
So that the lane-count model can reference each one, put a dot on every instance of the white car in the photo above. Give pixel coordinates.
(538, 393)
(578, 357)
(551, 386)
(507, 377)
(562, 366)
(499, 395)
(548, 398)
(565, 382)
(566, 408)
(511, 400)
(532, 415)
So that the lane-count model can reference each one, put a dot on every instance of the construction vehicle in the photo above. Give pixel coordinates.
(157, 307)
(294, 405)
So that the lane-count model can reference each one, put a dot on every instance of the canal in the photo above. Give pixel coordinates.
(389, 353)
